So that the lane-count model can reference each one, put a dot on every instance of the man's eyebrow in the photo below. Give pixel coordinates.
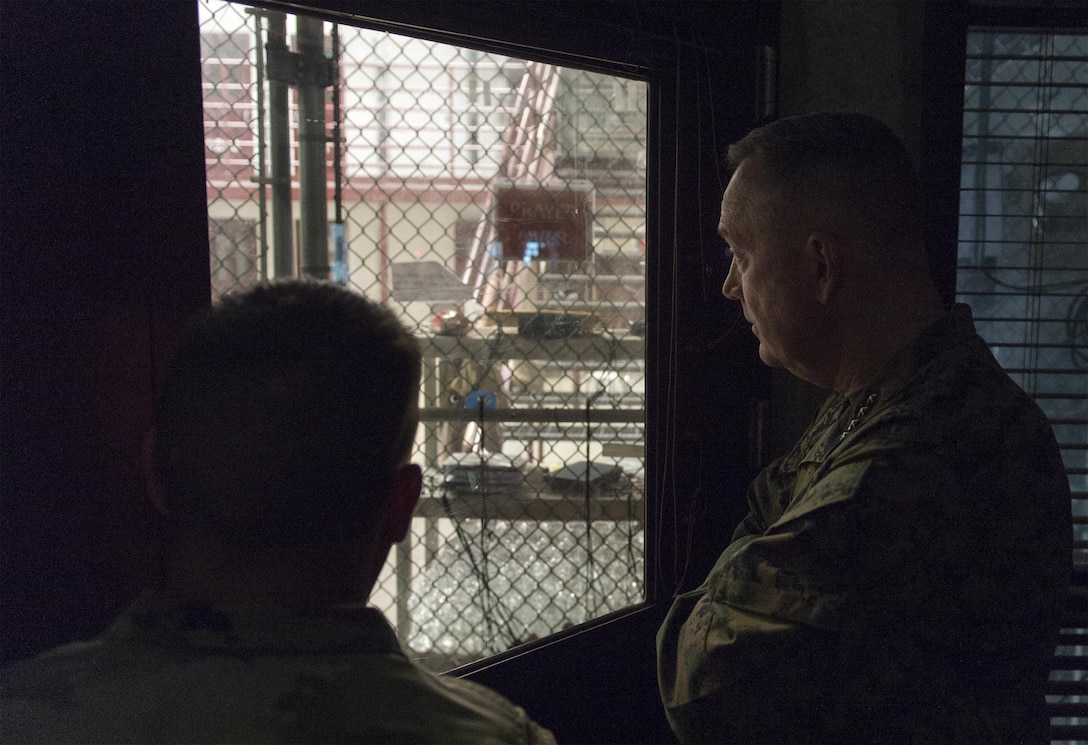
(729, 237)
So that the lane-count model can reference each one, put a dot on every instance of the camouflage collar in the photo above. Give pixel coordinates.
(353, 629)
(956, 326)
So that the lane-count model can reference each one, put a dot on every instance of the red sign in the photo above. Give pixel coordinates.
(543, 223)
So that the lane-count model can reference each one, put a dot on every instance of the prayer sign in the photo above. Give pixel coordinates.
(544, 223)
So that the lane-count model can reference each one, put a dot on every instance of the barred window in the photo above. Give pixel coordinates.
(1024, 225)
(1023, 265)
(498, 205)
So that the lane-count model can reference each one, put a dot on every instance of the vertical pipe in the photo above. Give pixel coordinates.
(313, 197)
(262, 175)
(279, 142)
(337, 135)
(473, 111)
(340, 259)
(383, 251)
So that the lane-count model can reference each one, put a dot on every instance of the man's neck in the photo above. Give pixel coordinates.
(881, 330)
(205, 571)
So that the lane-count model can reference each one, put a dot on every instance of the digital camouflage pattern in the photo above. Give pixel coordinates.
(172, 674)
(901, 583)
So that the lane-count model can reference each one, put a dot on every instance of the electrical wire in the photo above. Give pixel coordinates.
(593, 601)
(493, 607)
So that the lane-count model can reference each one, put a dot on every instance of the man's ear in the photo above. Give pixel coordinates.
(152, 479)
(403, 496)
(826, 252)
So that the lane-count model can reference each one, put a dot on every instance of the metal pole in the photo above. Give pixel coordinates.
(313, 198)
(262, 181)
(340, 259)
(279, 142)
(337, 135)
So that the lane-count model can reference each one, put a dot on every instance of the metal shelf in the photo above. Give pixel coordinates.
(594, 348)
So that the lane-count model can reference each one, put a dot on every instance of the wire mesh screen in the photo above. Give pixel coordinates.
(1023, 265)
(498, 206)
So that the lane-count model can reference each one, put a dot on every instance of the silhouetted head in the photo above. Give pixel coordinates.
(285, 415)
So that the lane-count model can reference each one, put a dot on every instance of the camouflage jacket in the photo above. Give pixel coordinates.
(169, 674)
(899, 576)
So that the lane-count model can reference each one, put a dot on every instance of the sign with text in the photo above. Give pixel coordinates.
(544, 223)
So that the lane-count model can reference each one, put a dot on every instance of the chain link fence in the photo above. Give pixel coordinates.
(498, 206)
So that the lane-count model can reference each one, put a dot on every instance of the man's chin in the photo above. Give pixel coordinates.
(768, 357)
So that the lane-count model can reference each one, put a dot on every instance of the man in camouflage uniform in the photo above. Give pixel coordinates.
(900, 574)
(280, 461)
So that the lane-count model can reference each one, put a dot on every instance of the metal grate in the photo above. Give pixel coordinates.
(1023, 267)
(498, 205)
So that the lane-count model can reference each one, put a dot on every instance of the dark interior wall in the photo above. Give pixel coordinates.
(855, 56)
(104, 250)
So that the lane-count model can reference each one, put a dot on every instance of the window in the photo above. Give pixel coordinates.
(1023, 259)
(499, 206)
(1024, 225)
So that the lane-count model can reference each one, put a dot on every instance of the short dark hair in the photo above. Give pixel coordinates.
(850, 166)
(285, 414)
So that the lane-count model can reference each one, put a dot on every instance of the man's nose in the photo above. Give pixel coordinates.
(731, 286)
